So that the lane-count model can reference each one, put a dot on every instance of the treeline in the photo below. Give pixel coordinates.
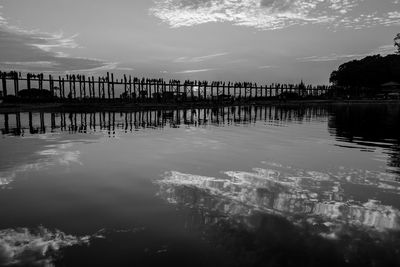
(369, 72)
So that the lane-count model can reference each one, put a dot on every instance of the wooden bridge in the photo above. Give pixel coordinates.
(84, 88)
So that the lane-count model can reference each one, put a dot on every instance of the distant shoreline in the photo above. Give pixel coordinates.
(96, 107)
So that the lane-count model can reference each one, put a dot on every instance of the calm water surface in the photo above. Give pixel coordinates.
(270, 186)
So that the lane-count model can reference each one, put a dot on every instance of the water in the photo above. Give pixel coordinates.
(277, 186)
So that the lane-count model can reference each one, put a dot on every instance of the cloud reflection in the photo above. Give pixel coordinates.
(54, 155)
(37, 247)
(312, 196)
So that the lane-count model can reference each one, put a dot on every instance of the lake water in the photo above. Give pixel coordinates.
(271, 186)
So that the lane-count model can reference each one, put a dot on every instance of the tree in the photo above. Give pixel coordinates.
(397, 43)
(370, 72)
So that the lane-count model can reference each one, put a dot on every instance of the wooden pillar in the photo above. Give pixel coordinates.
(93, 96)
(98, 87)
(70, 85)
(198, 90)
(178, 88)
(18, 122)
(30, 122)
(212, 91)
(270, 91)
(51, 85)
(265, 91)
(80, 86)
(184, 90)
(28, 81)
(147, 85)
(130, 87)
(84, 86)
(108, 85)
(60, 87)
(40, 81)
(191, 91)
(159, 83)
(4, 83)
(6, 125)
(42, 124)
(125, 87)
(205, 90)
(74, 85)
(63, 87)
(93, 88)
(16, 84)
(89, 83)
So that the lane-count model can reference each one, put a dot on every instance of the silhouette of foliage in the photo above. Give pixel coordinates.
(397, 43)
(370, 72)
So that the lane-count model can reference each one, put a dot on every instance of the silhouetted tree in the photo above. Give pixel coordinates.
(397, 43)
(369, 72)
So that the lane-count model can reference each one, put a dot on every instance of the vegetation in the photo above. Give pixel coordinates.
(369, 72)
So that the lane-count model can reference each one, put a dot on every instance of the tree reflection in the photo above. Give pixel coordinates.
(369, 126)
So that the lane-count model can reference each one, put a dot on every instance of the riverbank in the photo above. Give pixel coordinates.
(121, 106)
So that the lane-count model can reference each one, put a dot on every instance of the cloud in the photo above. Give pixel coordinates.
(269, 14)
(29, 51)
(193, 71)
(382, 50)
(394, 15)
(34, 50)
(198, 59)
(332, 57)
(267, 67)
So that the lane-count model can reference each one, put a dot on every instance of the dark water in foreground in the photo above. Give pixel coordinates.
(273, 186)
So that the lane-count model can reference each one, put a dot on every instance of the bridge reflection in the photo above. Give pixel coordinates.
(20, 124)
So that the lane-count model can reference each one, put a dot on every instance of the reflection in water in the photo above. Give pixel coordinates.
(51, 155)
(365, 126)
(34, 247)
(40, 123)
(272, 215)
(369, 126)
(265, 218)
(312, 195)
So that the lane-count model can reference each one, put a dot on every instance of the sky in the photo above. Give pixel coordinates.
(263, 41)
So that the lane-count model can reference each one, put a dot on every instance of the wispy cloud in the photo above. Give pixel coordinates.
(267, 67)
(382, 50)
(193, 71)
(269, 14)
(198, 59)
(35, 50)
